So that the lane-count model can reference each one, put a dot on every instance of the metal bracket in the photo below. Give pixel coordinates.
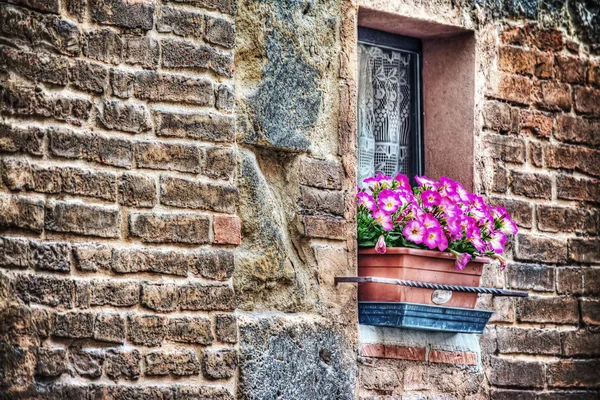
(429, 285)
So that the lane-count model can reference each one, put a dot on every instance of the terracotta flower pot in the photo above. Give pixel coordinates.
(416, 265)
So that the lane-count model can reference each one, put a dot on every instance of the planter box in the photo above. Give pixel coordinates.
(423, 317)
(416, 265)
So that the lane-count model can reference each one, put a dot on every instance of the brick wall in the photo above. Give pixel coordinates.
(540, 148)
(118, 199)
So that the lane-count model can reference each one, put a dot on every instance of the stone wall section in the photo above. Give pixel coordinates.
(118, 199)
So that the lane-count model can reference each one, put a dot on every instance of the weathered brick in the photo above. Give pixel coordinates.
(160, 296)
(544, 65)
(513, 88)
(552, 219)
(578, 281)
(169, 156)
(537, 186)
(556, 310)
(133, 118)
(140, 392)
(15, 253)
(103, 45)
(321, 173)
(553, 95)
(581, 343)
(219, 31)
(570, 395)
(89, 76)
(180, 363)
(324, 227)
(77, 9)
(42, 322)
(541, 249)
(537, 122)
(576, 373)
(22, 212)
(16, 174)
(219, 162)
(219, 364)
(536, 154)
(571, 69)
(83, 219)
(217, 264)
(181, 22)
(528, 340)
(106, 150)
(572, 188)
(181, 54)
(594, 73)
(88, 183)
(587, 101)
(137, 190)
(319, 200)
(190, 330)
(584, 250)
(47, 290)
(226, 328)
(122, 363)
(115, 293)
(208, 127)
(505, 148)
(121, 83)
(52, 6)
(225, 6)
(173, 88)
(227, 229)
(590, 311)
(15, 139)
(109, 328)
(198, 195)
(225, 98)
(516, 35)
(195, 296)
(577, 130)
(123, 13)
(143, 51)
(51, 361)
(74, 325)
(170, 227)
(530, 277)
(548, 38)
(516, 60)
(40, 67)
(46, 179)
(148, 330)
(503, 307)
(86, 362)
(516, 373)
(51, 256)
(92, 257)
(133, 260)
(502, 394)
(573, 157)
(83, 293)
(452, 357)
(499, 182)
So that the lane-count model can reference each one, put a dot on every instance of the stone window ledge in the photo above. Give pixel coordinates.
(431, 347)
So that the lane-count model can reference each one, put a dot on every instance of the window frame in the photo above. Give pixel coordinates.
(414, 46)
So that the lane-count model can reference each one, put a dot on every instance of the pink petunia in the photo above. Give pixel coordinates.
(462, 259)
(447, 186)
(432, 237)
(425, 181)
(366, 200)
(497, 241)
(429, 221)
(403, 181)
(414, 231)
(443, 242)
(454, 226)
(430, 198)
(388, 201)
(508, 226)
(384, 219)
(503, 261)
(380, 246)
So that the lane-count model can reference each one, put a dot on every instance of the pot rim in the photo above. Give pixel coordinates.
(420, 252)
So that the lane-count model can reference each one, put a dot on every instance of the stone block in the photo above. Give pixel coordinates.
(587, 101)
(122, 364)
(196, 330)
(132, 118)
(227, 229)
(160, 296)
(505, 148)
(541, 249)
(51, 362)
(115, 293)
(48, 290)
(179, 363)
(219, 162)
(89, 76)
(22, 140)
(109, 328)
(322, 201)
(584, 250)
(196, 296)
(577, 130)
(573, 158)
(188, 193)
(86, 362)
(581, 343)
(555, 310)
(137, 190)
(580, 220)
(590, 311)
(135, 260)
(182, 54)
(226, 328)
(513, 88)
(181, 22)
(121, 83)
(520, 211)
(147, 330)
(92, 257)
(201, 126)
(51, 256)
(225, 98)
(528, 340)
(324, 227)
(571, 69)
(170, 227)
(88, 183)
(173, 88)
(516, 60)
(323, 174)
(168, 156)
(516, 373)
(553, 96)
(573, 188)
(22, 212)
(219, 364)
(74, 325)
(537, 122)
(582, 281)
(103, 45)
(83, 219)
(219, 31)
(142, 50)
(574, 374)
(41, 67)
(533, 185)
(530, 277)
(15, 253)
(124, 13)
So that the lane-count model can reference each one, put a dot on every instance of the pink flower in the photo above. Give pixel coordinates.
(380, 246)
(454, 226)
(447, 186)
(366, 200)
(476, 201)
(443, 242)
(414, 231)
(502, 260)
(497, 241)
(449, 208)
(461, 194)
(388, 201)
(384, 219)
(429, 221)
(425, 181)
(507, 226)
(477, 241)
(403, 181)
(430, 198)
(462, 259)
(432, 237)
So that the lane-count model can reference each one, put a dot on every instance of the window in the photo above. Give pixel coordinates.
(390, 128)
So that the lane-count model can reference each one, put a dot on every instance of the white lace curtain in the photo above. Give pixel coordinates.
(383, 112)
